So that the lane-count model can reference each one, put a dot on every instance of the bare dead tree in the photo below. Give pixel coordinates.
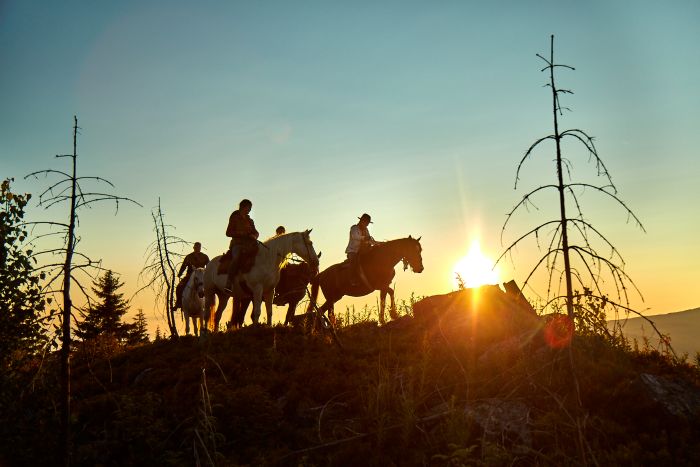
(572, 239)
(68, 263)
(163, 256)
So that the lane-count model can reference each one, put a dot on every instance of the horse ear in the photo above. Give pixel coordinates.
(418, 239)
(409, 236)
(319, 254)
(308, 231)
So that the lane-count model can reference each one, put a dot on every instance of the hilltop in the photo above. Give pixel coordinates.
(683, 328)
(469, 378)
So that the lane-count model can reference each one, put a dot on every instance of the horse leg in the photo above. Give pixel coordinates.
(267, 297)
(208, 311)
(382, 304)
(331, 314)
(392, 307)
(223, 301)
(187, 322)
(257, 304)
(241, 311)
(291, 309)
(240, 306)
(233, 322)
(194, 325)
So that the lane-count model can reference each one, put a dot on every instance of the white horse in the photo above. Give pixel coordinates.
(260, 281)
(193, 300)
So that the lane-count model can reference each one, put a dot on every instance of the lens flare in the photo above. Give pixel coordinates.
(558, 331)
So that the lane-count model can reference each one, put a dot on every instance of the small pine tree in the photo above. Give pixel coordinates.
(104, 317)
(139, 334)
(159, 336)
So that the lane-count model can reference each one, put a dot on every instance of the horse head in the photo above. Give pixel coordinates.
(304, 247)
(198, 282)
(412, 254)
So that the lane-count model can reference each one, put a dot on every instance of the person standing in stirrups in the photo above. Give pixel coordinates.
(359, 239)
(194, 260)
(241, 229)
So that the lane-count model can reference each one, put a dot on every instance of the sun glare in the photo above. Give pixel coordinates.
(475, 269)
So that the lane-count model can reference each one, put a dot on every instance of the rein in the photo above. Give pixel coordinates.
(395, 246)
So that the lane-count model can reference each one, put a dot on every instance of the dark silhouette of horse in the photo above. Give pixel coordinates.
(377, 266)
(290, 290)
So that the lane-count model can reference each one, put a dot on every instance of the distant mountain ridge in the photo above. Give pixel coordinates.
(683, 327)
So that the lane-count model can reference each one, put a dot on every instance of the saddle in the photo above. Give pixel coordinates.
(247, 260)
(345, 267)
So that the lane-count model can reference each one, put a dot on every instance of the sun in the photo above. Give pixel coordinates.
(475, 269)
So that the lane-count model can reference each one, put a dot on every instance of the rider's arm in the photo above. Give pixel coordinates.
(184, 266)
(231, 227)
(254, 234)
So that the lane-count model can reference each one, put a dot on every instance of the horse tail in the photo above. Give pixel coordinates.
(314, 293)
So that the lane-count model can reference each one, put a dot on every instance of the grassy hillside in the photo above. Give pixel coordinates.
(682, 327)
(471, 379)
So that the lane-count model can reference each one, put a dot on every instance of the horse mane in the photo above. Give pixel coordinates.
(393, 243)
(280, 237)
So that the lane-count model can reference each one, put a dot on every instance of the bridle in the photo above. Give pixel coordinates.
(195, 285)
(307, 242)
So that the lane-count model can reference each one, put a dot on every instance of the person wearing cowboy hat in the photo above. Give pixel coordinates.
(359, 239)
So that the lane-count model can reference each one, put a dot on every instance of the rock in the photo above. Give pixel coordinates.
(503, 421)
(483, 315)
(677, 397)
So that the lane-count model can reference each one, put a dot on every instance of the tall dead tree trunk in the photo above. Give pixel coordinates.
(56, 194)
(158, 273)
(561, 187)
(167, 269)
(573, 236)
(68, 306)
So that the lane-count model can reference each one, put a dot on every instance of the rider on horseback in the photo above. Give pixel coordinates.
(359, 240)
(194, 260)
(244, 237)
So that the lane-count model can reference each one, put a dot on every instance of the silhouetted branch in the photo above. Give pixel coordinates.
(523, 202)
(158, 272)
(527, 153)
(522, 237)
(543, 258)
(630, 214)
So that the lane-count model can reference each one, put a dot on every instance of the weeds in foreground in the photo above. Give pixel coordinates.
(413, 394)
(206, 436)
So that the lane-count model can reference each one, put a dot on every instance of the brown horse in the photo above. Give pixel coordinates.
(377, 266)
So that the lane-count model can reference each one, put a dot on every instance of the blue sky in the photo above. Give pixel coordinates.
(416, 112)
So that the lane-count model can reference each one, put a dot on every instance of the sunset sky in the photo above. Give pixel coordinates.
(415, 112)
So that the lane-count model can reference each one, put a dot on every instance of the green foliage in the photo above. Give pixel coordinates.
(104, 316)
(21, 302)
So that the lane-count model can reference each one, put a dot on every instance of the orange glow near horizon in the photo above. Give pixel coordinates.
(475, 269)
